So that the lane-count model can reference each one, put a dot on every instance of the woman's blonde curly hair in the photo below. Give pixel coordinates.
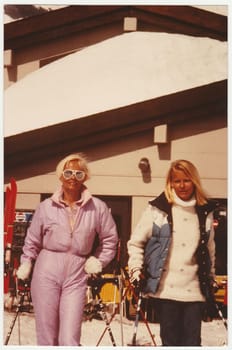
(82, 162)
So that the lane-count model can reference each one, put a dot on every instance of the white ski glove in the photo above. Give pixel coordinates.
(24, 270)
(135, 275)
(93, 266)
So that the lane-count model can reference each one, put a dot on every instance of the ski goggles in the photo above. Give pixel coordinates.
(68, 173)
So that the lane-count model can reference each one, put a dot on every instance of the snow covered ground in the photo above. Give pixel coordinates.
(213, 333)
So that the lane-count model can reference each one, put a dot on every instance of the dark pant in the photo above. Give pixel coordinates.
(180, 322)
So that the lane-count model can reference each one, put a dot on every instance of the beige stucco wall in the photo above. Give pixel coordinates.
(119, 174)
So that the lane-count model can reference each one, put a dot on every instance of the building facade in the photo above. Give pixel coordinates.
(132, 87)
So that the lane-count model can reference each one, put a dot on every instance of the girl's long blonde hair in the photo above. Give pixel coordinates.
(191, 171)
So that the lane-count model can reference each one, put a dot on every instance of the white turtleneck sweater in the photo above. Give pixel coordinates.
(179, 280)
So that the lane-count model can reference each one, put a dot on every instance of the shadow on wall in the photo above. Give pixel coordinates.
(47, 162)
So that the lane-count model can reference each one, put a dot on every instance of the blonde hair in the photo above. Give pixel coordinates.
(82, 162)
(191, 171)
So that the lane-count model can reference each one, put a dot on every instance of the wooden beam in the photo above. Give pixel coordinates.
(73, 19)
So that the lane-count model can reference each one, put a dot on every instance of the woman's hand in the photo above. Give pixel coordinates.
(93, 266)
(24, 270)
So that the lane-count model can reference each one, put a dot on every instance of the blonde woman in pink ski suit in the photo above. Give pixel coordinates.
(59, 241)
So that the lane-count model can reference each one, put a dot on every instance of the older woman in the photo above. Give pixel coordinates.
(59, 241)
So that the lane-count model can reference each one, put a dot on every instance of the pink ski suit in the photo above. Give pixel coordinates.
(60, 250)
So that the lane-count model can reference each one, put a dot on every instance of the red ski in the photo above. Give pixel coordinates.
(9, 217)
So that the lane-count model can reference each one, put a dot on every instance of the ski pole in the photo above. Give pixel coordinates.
(136, 323)
(221, 315)
(141, 311)
(113, 315)
(106, 328)
(118, 271)
(105, 318)
(96, 285)
(18, 309)
(120, 288)
(14, 320)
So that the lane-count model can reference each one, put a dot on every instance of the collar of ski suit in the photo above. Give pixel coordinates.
(57, 197)
(162, 203)
(177, 200)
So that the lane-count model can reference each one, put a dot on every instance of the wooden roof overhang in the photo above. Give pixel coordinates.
(81, 19)
(78, 18)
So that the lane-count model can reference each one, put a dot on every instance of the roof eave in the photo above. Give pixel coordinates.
(60, 23)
